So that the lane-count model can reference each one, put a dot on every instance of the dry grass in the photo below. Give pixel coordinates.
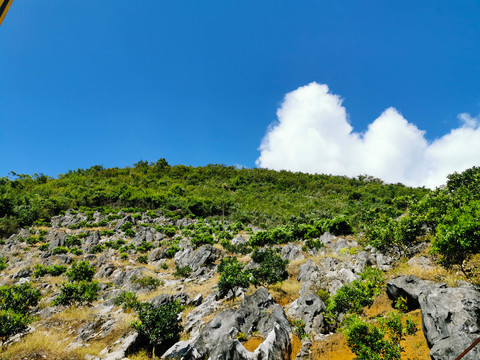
(435, 273)
(141, 355)
(74, 313)
(253, 342)
(41, 344)
(51, 343)
(294, 266)
(285, 292)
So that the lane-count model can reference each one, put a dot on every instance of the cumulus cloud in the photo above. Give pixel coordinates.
(313, 135)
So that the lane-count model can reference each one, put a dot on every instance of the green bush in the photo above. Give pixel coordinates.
(171, 251)
(19, 298)
(12, 323)
(148, 282)
(3, 263)
(72, 240)
(232, 276)
(143, 259)
(340, 226)
(54, 270)
(60, 250)
(272, 267)
(43, 247)
(458, 234)
(353, 297)
(130, 233)
(96, 249)
(183, 271)
(76, 251)
(123, 256)
(380, 341)
(202, 238)
(160, 325)
(78, 293)
(127, 300)
(314, 244)
(81, 271)
(145, 247)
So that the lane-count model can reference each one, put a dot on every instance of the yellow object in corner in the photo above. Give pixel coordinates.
(4, 6)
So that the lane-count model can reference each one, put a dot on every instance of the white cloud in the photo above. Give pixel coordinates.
(313, 135)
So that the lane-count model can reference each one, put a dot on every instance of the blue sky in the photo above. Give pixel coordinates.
(197, 82)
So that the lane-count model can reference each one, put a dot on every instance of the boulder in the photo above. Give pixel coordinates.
(292, 252)
(451, 321)
(309, 308)
(203, 256)
(410, 287)
(218, 338)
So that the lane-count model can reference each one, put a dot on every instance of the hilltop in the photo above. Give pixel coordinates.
(218, 262)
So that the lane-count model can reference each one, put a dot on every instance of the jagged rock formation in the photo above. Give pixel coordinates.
(450, 316)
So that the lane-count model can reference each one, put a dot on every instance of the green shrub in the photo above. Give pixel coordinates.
(107, 232)
(314, 244)
(43, 247)
(143, 259)
(3, 263)
(148, 282)
(12, 323)
(160, 325)
(32, 240)
(232, 276)
(340, 226)
(152, 214)
(171, 251)
(272, 267)
(76, 251)
(126, 226)
(78, 293)
(81, 271)
(123, 256)
(127, 300)
(54, 270)
(353, 297)
(96, 249)
(130, 233)
(202, 238)
(380, 341)
(72, 240)
(183, 271)
(60, 250)
(168, 230)
(145, 247)
(18, 298)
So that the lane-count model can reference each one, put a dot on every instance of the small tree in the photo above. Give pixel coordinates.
(380, 341)
(81, 271)
(232, 276)
(15, 302)
(272, 267)
(160, 325)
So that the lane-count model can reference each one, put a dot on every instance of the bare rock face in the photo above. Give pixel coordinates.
(450, 316)
(451, 322)
(292, 252)
(410, 287)
(204, 255)
(309, 308)
(218, 338)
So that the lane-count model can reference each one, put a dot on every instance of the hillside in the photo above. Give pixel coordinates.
(217, 262)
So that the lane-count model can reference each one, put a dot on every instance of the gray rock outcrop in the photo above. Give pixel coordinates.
(218, 338)
(202, 256)
(450, 316)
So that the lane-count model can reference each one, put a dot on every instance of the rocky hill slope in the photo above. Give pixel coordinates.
(138, 285)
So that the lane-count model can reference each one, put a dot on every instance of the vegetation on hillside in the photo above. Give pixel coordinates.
(250, 196)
